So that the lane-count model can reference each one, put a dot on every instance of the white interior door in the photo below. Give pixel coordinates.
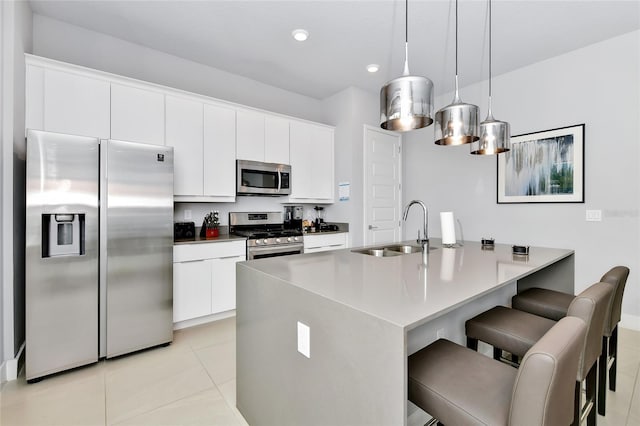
(382, 186)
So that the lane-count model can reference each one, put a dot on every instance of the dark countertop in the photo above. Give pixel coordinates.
(224, 236)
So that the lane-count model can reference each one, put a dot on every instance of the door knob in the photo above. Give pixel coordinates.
(373, 227)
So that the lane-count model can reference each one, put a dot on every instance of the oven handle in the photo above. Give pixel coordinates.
(276, 249)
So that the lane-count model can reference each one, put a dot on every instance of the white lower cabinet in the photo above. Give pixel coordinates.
(326, 242)
(204, 278)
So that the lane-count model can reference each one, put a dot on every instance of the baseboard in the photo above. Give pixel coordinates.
(9, 369)
(203, 320)
(631, 322)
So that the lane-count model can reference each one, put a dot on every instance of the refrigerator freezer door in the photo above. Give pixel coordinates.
(61, 290)
(139, 246)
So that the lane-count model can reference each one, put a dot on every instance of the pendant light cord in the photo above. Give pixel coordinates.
(456, 96)
(406, 38)
(490, 115)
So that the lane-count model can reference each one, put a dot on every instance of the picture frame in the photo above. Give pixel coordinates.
(543, 167)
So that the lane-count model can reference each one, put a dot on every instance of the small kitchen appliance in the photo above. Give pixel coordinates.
(266, 234)
(184, 231)
(293, 217)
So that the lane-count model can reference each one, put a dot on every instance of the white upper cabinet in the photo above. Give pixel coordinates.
(63, 102)
(137, 115)
(262, 137)
(184, 132)
(276, 140)
(312, 158)
(250, 135)
(219, 152)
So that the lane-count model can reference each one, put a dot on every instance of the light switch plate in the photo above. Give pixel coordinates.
(304, 339)
(594, 215)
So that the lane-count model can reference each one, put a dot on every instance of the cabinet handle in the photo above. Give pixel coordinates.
(373, 227)
(192, 261)
(228, 257)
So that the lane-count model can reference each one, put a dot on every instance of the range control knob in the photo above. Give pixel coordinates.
(295, 238)
(257, 242)
(277, 240)
(289, 239)
(265, 241)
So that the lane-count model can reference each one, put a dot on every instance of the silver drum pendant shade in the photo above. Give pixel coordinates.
(494, 137)
(406, 103)
(456, 124)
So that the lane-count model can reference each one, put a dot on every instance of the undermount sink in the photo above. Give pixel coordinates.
(379, 252)
(392, 250)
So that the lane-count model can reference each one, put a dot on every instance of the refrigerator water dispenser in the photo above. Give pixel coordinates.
(62, 234)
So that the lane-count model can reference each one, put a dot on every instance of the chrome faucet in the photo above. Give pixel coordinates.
(424, 241)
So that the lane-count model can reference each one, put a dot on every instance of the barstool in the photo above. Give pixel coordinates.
(553, 305)
(458, 386)
(516, 331)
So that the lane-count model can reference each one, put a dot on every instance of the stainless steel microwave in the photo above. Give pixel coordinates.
(258, 178)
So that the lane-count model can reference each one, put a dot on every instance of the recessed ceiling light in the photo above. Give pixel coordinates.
(300, 34)
(373, 68)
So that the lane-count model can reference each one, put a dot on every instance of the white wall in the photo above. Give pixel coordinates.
(597, 85)
(58, 40)
(349, 110)
(16, 40)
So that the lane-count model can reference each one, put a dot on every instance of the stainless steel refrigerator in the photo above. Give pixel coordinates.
(99, 250)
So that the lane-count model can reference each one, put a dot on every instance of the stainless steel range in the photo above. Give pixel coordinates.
(266, 234)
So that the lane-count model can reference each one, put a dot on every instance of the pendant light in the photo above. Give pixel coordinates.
(406, 102)
(456, 124)
(494, 134)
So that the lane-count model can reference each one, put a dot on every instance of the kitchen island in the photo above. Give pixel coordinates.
(364, 315)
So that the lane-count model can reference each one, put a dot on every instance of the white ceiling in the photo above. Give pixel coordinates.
(253, 38)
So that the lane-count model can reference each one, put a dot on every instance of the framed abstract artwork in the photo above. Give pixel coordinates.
(543, 167)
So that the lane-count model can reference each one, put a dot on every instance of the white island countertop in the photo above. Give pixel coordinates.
(397, 289)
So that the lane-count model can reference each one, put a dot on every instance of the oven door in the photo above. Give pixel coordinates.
(256, 178)
(274, 251)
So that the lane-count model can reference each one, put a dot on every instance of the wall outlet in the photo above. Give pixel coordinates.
(594, 215)
(441, 333)
(187, 215)
(304, 339)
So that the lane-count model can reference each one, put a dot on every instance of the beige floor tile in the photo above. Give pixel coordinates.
(72, 399)
(220, 361)
(205, 408)
(634, 409)
(143, 383)
(209, 334)
(628, 337)
(228, 391)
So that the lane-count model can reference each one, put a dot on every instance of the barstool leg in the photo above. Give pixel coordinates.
(577, 404)
(613, 352)
(602, 376)
(472, 343)
(591, 395)
(497, 353)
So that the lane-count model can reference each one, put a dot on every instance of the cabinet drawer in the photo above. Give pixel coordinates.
(313, 241)
(189, 252)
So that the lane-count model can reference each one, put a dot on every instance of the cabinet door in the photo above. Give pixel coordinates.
(301, 151)
(191, 289)
(223, 289)
(322, 170)
(75, 104)
(219, 151)
(184, 134)
(250, 135)
(276, 140)
(137, 115)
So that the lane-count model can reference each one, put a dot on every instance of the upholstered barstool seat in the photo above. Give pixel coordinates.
(516, 335)
(458, 386)
(511, 330)
(554, 305)
(543, 302)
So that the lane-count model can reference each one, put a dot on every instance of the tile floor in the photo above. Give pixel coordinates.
(192, 382)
